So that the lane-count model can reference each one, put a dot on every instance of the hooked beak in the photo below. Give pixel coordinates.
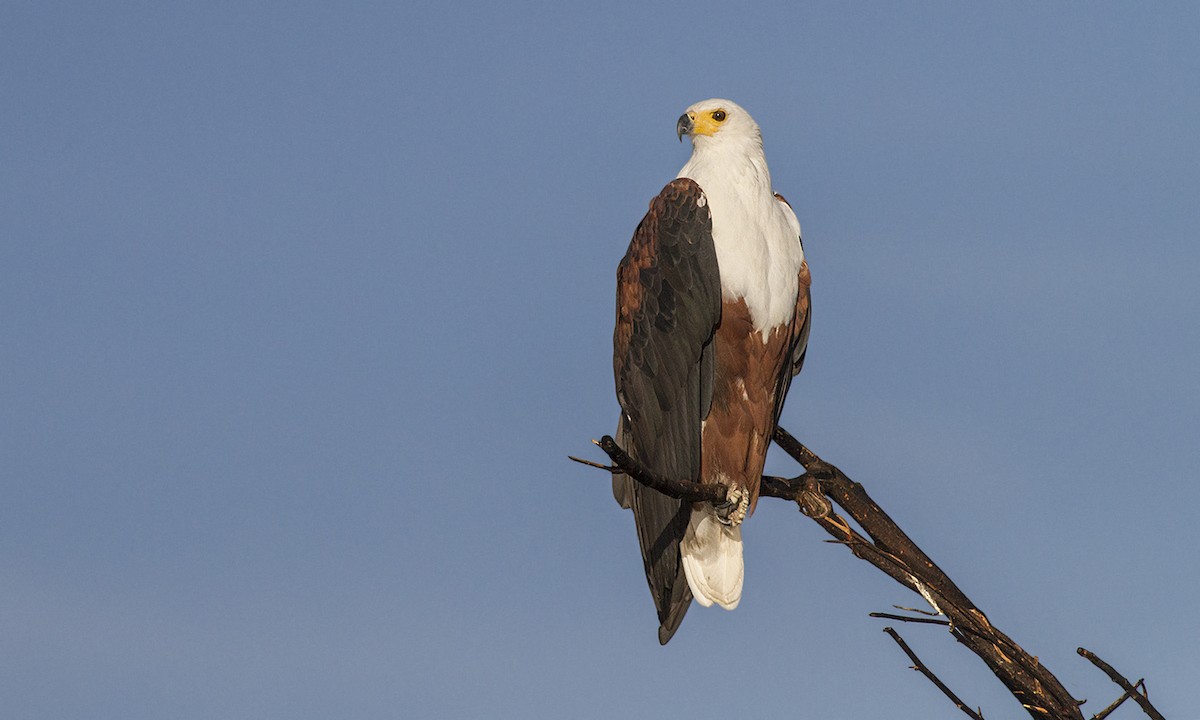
(684, 126)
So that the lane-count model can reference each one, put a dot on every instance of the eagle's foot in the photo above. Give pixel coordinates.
(733, 511)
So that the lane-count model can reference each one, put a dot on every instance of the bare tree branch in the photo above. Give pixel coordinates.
(673, 487)
(890, 549)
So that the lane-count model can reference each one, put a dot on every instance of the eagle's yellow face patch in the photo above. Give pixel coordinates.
(707, 122)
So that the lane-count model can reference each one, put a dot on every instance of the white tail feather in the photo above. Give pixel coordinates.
(712, 559)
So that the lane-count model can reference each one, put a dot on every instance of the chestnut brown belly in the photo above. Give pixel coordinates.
(747, 371)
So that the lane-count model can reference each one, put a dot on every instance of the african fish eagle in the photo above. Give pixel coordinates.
(712, 323)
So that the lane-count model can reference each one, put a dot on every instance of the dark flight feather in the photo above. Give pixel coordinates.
(668, 305)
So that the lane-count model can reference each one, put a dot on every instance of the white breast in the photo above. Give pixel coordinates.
(757, 237)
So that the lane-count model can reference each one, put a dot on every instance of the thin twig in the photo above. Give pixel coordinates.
(1140, 698)
(589, 463)
(1115, 704)
(920, 667)
(904, 618)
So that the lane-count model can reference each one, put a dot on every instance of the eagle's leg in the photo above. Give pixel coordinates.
(733, 511)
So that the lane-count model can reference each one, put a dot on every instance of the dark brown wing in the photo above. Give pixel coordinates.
(801, 323)
(668, 304)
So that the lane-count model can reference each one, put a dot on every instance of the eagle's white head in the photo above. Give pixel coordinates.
(727, 151)
(718, 122)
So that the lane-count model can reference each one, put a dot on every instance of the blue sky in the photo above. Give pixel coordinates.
(304, 307)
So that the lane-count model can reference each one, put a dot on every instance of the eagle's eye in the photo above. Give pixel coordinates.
(718, 115)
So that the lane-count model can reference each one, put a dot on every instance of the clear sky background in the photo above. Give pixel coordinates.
(303, 308)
